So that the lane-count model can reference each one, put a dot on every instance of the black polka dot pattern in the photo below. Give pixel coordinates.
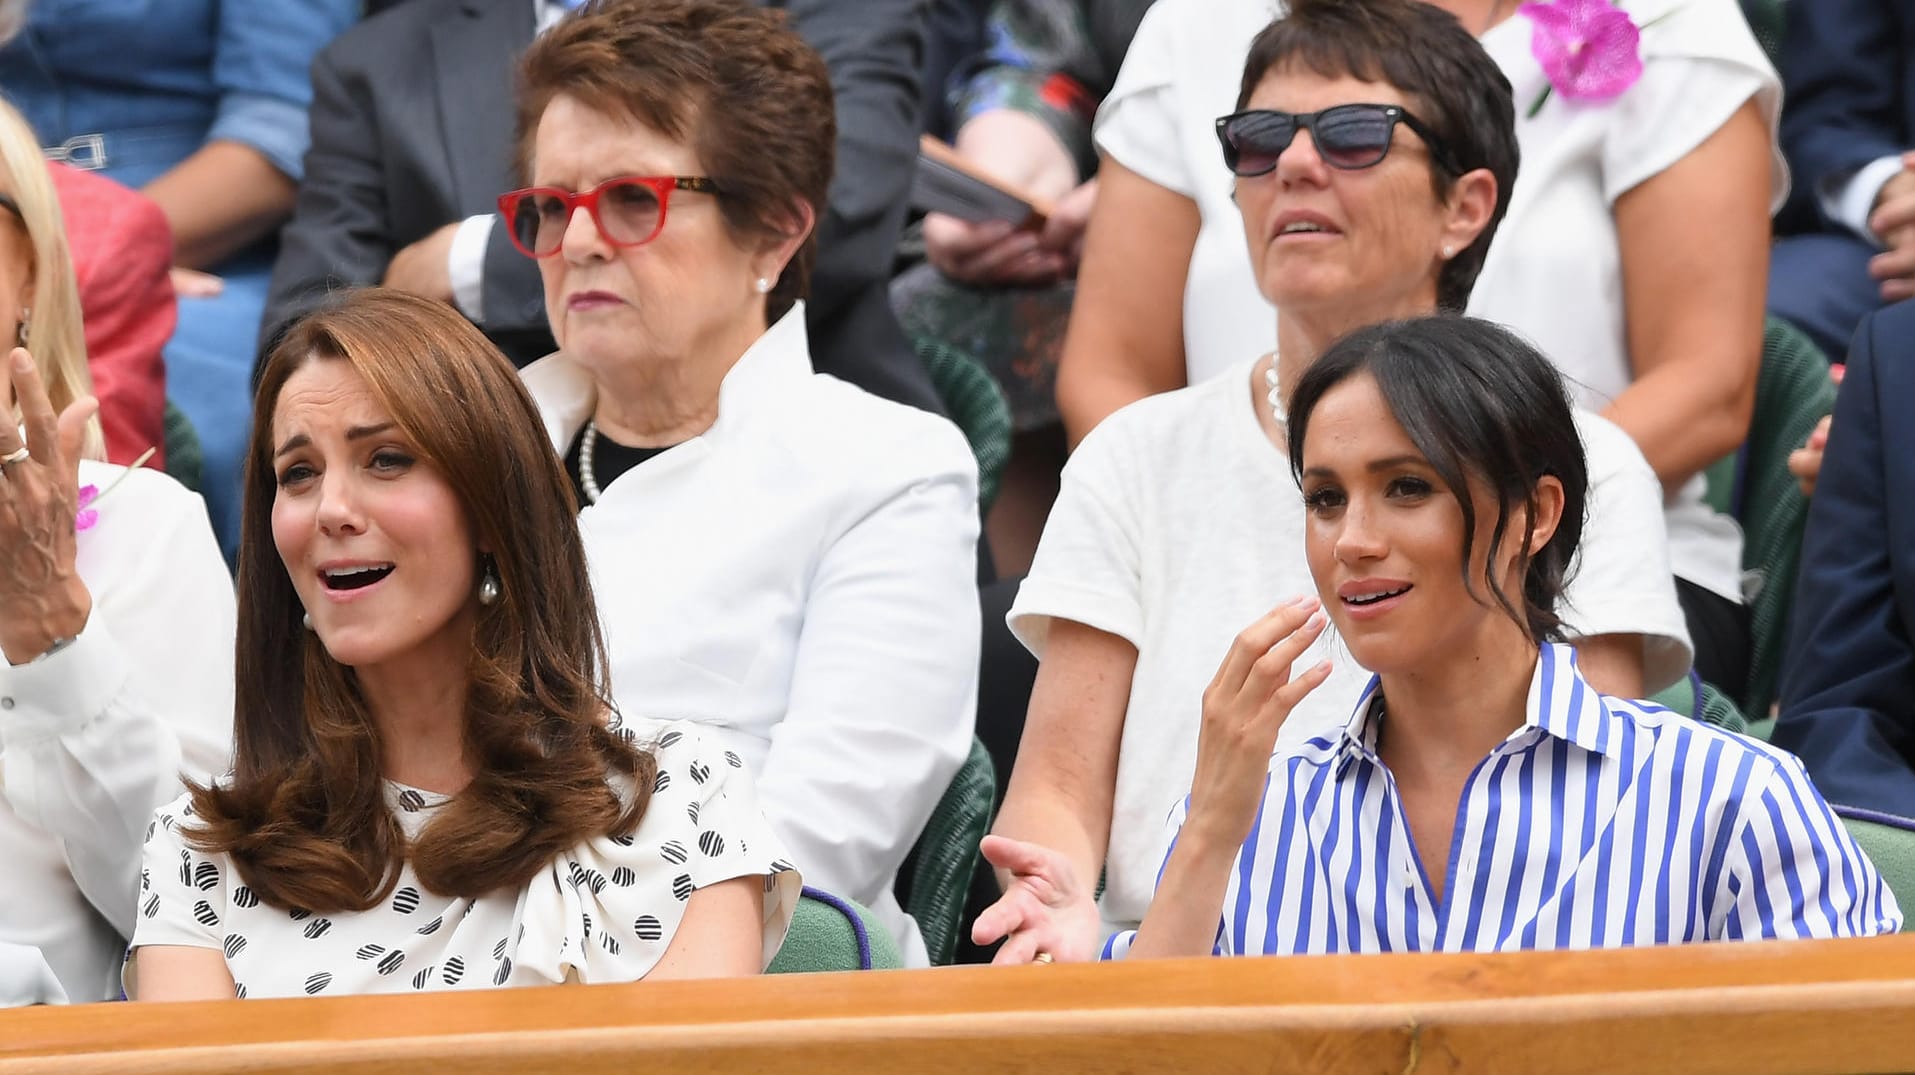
(505, 971)
(454, 970)
(431, 927)
(660, 782)
(411, 801)
(204, 914)
(406, 900)
(205, 877)
(699, 772)
(682, 886)
(647, 928)
(235, 944)
(669, 740)
(673, 852)
(623, 877)
(422, 979)
(245, 897)
(712, 844)
(317, 983)
(734, 760)
(317, 928)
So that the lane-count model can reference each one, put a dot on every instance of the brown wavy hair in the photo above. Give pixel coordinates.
(728, 78)
(304, 815)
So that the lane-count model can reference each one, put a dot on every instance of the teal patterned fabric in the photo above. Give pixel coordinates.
(940, 867)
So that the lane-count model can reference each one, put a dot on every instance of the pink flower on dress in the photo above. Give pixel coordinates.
(87, 516)
(1590, 49)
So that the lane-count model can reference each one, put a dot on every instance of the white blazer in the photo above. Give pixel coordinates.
(802, 578)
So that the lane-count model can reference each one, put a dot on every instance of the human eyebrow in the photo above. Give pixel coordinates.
(293, 444)
(362, 432)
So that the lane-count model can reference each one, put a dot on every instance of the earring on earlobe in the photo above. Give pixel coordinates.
(26, 320)
(1448, 251)
(763, 285)
(306, 620)
(489, 589)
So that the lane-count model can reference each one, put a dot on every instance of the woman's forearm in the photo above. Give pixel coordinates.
(1184, 914)
(219, 200)
(1043, 817)
(1685, 423)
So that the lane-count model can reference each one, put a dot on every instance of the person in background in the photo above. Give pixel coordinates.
(1848, 683)
(1633, 253)
(432, 790)
(999, 292)
(781, 556)
(1847, 242)
(116, 625)
(1177, 523)
(201, 105)
(411, 143)
(1445, 490)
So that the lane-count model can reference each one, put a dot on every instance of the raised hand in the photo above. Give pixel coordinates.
(42, 599)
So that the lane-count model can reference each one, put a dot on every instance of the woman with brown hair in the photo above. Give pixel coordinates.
(431, 790)
(779, 556)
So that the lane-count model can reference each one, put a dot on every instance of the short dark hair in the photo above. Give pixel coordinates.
(728, 78)
(302, 814)
(1426, 54)
(1479, 403)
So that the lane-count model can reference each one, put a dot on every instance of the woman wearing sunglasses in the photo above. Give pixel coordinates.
(1444, 487)
(777, 554)
(1370, 186)
(1634, 253)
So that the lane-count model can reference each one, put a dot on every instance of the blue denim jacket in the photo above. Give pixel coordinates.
(132, 87)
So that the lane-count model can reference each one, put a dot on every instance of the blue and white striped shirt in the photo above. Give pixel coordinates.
(1597, 824)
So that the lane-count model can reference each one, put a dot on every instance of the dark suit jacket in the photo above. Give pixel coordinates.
(412, 120)
(1848, 67)
(1848, 691)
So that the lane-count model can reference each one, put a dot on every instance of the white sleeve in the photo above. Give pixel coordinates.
(1621, 582)
(465, 265)
(1138, 122)
(96, 735)
(883, 701)
(1850, 201)
(1089, 562)
(176, 886)
(1700, 63)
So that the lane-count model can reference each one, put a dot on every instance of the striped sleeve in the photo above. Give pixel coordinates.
(1117, 945)
(1794, 870)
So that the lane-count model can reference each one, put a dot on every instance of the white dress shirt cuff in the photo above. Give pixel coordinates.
(1851, 199)
(465, 265)
(55, 696)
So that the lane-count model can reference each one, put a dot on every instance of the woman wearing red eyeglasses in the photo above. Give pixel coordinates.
(776, 554)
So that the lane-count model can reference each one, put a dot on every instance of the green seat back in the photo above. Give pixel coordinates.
(976, 404)
(936, 878)
(1715, 709)
(1767, 20)
(825, 936)
(1791, 396)
(183, 456)
(1893, 852)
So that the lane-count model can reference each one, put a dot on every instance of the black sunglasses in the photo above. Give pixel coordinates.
(1349, 137)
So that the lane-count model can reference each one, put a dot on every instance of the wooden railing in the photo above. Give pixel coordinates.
(1746, 1009)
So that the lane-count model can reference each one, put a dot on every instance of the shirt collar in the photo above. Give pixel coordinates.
(1561, 704)
(566, 395)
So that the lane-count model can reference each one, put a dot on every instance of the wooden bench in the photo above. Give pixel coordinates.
(1810, 1006)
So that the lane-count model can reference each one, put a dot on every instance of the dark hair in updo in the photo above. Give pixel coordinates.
(1478, 403)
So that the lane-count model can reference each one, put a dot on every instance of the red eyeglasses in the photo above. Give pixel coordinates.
(629, 210)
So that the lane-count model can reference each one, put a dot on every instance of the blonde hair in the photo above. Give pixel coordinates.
(55, 334)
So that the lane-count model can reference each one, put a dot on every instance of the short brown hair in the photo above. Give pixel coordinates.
(750, 97)
(1424, 52)
(304, 815)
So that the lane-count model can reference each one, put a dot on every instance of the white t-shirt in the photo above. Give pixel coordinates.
(1178, 525)
(1554, 272)
(95, 736)
(603, 912)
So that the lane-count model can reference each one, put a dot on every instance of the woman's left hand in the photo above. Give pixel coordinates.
(42, 599)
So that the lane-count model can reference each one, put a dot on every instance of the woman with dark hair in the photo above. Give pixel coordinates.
(780, 556)
(1445, 488)
(1634, 252)
(1361, 201)
(431, 790)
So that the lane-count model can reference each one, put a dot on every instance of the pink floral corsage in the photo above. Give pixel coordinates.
(1591, 50)
(90, 495)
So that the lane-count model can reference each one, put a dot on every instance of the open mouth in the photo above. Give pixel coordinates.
(1303, 227)
(1373, 598)
(354, 578)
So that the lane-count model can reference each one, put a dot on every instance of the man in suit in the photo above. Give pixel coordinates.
(1848, 124)
(1848, 689)
(412, 127)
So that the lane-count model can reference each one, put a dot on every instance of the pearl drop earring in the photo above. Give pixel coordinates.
(1448, 251)
(764, 285)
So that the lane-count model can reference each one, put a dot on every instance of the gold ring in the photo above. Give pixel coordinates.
(15, 456)
(1041, 957)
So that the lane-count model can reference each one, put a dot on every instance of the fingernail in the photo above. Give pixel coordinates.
(22, 361)
(1294, 600)
(1316, 620)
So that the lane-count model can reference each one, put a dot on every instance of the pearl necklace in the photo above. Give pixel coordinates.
(1275, 396)
(587, 444)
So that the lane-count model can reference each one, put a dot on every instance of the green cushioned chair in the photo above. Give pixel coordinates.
(936, 877)
(976, 404)
(829, 933)
(1714, 707)
(1892, 849)
(1767, 20)
(183, 456)
(1792, 394)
